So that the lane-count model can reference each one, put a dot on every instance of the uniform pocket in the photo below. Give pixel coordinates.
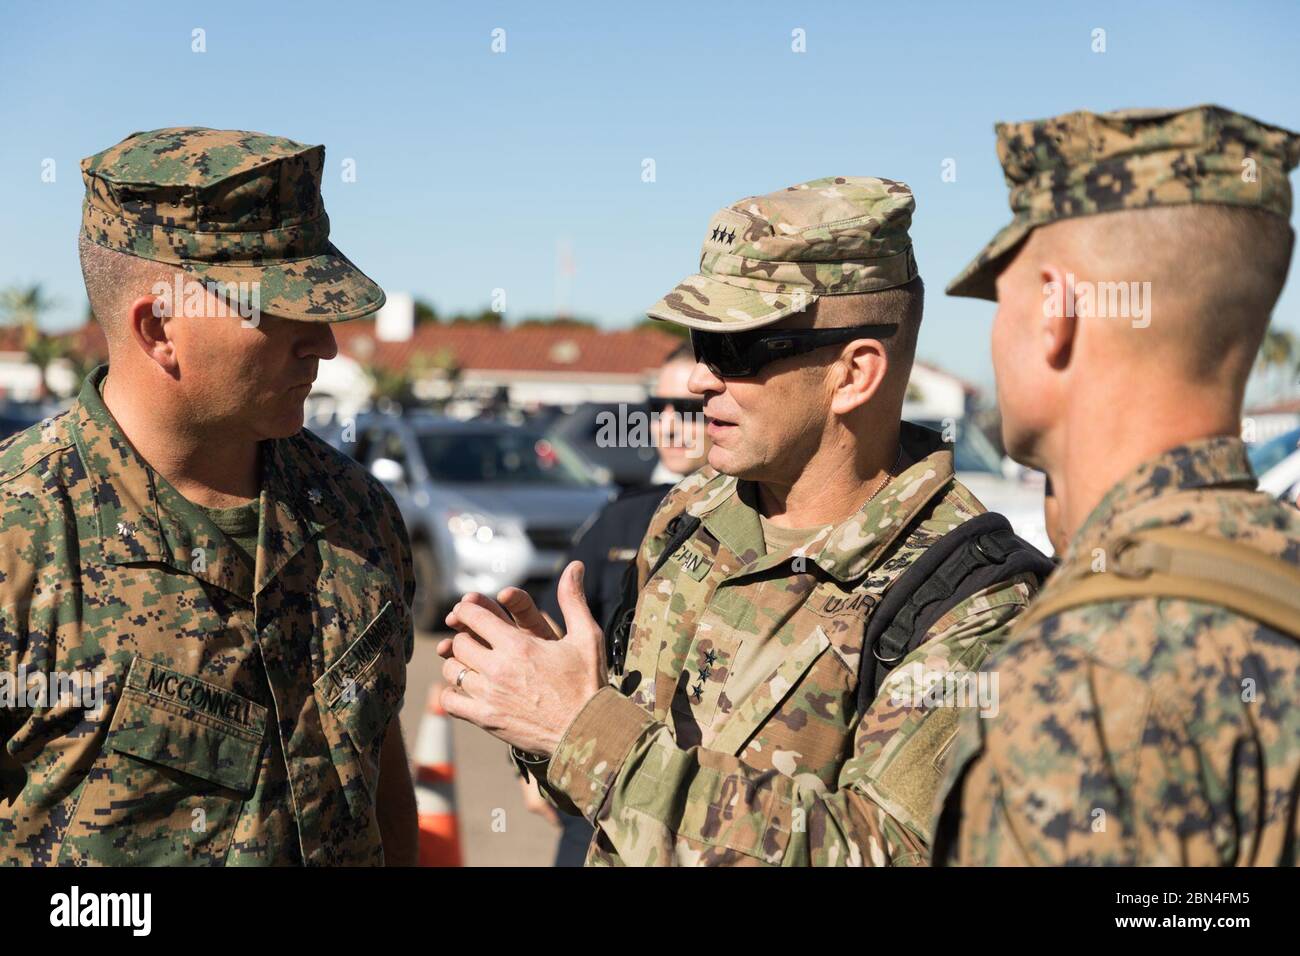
(181, 757)
(360, 694)
(751, 713)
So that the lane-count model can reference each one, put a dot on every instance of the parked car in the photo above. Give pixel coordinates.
(1268, 454)
(980, 468)
(1277, 462)
(627, 465)
(14, 419)
(488, 505)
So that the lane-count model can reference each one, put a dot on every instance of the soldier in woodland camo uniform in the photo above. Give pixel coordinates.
(1150, 699)
(250, 680)
(733, 734)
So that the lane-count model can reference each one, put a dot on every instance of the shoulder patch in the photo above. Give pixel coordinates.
(961, 498)
(20, 452)
(680, 497)
(954, 506)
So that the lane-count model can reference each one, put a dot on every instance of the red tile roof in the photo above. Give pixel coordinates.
(1282, 406)
(478, 347)
(89, 341)
(557, 349)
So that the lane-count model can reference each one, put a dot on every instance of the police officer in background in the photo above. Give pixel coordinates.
(237, 589)
(608, 545)
(1052, 520)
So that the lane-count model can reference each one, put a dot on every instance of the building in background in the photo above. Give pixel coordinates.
(19, 379)
(465, 367)
(527, 367)
(936, 395)
(1270, 419)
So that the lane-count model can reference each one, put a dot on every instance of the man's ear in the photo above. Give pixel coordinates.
(861, 369)
(1059, 322)
(147, 318)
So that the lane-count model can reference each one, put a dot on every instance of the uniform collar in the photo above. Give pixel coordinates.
(141, 518)
(1206, 463)
(849, 550)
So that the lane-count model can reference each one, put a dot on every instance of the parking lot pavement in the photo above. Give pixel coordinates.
(495, 829)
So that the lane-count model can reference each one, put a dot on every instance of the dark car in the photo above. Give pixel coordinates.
(628, 466)
(13, 420)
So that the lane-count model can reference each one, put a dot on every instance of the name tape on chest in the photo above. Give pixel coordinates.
(696, 564)
(195, 695)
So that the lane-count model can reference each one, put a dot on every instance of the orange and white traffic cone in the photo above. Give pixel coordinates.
(435, 787)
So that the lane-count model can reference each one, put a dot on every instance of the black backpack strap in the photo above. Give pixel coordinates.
(975, 555)
(619, 624)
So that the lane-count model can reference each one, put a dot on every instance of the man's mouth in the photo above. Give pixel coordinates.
(717, 426)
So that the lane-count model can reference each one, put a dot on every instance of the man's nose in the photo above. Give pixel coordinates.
(316, 340)
(702, 380)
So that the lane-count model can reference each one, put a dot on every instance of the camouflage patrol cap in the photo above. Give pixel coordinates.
(227, 206)
(1083, 163)
(766, 257)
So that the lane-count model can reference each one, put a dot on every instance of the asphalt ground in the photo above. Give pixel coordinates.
(495, 828)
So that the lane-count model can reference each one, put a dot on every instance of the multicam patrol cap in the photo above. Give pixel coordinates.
(227, 206)
(766, 257)
(1083, 163)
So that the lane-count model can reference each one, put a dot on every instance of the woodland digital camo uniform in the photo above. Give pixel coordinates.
(245, 703)
(734, 736)
(1152, 730)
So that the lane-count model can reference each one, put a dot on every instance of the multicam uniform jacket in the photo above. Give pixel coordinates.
(733, 735)
(1154, 731)
(243, 708)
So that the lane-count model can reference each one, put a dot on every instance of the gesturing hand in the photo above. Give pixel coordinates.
(508, 672)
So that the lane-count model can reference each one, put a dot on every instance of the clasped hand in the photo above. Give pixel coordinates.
(509, 672)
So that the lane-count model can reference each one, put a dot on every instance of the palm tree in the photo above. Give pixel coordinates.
(386, 385)
(81, 363)
(1275, 354)
(24, 306)
(1279, 354)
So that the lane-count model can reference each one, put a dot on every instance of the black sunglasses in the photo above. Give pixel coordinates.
(742, 354)
(682, 406)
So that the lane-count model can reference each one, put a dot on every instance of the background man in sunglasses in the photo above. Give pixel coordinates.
(745, 723)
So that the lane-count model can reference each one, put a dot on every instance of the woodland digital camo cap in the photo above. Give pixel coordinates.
(1083, 163)
(766, 257)
(227, 206)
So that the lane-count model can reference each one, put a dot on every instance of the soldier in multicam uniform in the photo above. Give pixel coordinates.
(736, 732)
(1150, 699)
(240, 589)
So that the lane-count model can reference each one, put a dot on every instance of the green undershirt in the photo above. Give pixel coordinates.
(784, 539)
(240, 524)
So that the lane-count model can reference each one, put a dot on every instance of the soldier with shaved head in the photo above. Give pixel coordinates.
(1150, 707)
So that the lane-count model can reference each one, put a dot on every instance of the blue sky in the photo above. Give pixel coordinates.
(475, 169)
